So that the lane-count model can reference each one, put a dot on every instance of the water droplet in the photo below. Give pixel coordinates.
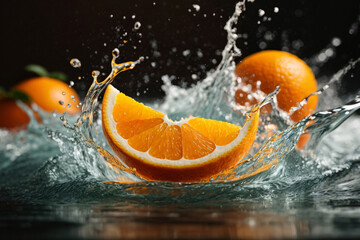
(111, 16)
(115, 52)
(95, 73)
(75, 63)
(196, 7)
(137, 25)
(329, 52)
(133, 16)
(186, 53)
(71, 83)
(261, 12)
(63, 93)
(276, 9)
(336, 42)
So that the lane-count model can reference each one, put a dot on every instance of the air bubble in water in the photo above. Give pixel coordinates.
(137, 25)
(71, 83)
(75, 63)
(276, 9)
(61, 102)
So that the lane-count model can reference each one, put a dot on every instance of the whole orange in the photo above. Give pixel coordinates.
(267, 69)
(48, 93)
(51, 94)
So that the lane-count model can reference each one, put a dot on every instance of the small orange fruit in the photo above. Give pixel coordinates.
(277, 68)
(189, 150)
(46, 92)
(51, 94)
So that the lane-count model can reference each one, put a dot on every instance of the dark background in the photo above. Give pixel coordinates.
(50, 33)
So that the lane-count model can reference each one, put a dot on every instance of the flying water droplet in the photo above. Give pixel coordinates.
(196, 7)
(75, 63)
(116, 53)
(137, 25)
(261, 12)
(95, 73)
(336, 42)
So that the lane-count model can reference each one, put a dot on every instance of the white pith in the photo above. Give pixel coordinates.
(145, 156)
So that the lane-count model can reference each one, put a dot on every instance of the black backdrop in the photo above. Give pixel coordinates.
(50, 33)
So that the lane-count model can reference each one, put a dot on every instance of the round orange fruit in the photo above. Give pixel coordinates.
(48, 93)
(267, 69)
(51, 94)
(157, 148)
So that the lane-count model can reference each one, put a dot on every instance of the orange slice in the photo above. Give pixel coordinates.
(189, 150)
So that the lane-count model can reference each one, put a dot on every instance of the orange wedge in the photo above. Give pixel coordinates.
(157, 148)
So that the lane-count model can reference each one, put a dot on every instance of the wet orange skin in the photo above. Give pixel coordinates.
(47, 92)
(199, 173)
(273, 68)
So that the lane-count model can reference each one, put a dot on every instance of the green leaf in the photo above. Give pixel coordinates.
(19, 95)
(3, 93)
(58, 75)
(37, 69)
(14, 95)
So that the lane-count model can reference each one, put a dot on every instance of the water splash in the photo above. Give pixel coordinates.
(76, 164)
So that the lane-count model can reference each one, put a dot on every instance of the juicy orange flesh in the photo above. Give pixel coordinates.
(221, 133)
(127, 109)
(145, 130)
